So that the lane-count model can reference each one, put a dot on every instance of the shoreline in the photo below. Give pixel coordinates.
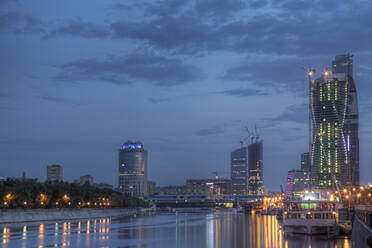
(36, 215)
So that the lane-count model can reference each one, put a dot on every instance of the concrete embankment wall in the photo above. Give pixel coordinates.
(16, 216)
(361, 232)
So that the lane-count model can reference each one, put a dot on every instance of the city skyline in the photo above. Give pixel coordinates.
(70, 93)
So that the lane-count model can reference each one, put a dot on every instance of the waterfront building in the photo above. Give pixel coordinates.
(133, 169)
(298, 181)
(239, 171)
(334, 114)
(305, 161)
(255, 168)
(208, 187)
(86, 180)
(54, 173)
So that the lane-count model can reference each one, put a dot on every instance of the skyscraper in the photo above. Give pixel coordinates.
(305, 161)
(133, 169)
(239, 171)
(54, 173)
(255, 168)
(334, 112)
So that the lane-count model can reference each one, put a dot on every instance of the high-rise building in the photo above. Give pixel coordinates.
(133, 169)
(334, 112)
(305, 161)
(239, 171)
(255, 168)
(54, 173)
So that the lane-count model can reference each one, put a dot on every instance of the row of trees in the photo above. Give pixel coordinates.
(17, 193)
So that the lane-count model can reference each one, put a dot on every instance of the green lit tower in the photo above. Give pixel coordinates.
(334, 114)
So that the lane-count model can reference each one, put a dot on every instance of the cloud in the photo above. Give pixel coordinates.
(20, 22)
(210, 131)
(157, 100)
(157, 70)
(293, 28)
(80, 28)
(298, 113)
(244, 92)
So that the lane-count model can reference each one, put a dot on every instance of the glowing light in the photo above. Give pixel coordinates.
(358, 195)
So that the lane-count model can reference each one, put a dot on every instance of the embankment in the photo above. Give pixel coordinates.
(18, 216)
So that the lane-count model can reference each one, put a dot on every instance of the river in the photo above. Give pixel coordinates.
(164, 230)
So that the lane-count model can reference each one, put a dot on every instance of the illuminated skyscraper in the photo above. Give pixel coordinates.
(133, 169)
(239, 172)
(255, 168)
(334, 111)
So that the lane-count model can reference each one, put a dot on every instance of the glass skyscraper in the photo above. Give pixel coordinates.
(239, 172)
(133, 169)
(334, 112)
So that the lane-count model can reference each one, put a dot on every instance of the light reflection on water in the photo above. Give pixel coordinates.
(216, 229)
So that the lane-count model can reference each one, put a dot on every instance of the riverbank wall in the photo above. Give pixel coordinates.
(19, 216)
(361, 236)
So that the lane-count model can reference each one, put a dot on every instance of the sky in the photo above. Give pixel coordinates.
(79, 78)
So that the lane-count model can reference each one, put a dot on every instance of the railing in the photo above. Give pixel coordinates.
(364, 213)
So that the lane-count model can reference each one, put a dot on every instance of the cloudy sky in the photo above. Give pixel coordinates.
(78, 78)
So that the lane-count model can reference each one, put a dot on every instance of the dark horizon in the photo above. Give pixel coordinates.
(184, 78)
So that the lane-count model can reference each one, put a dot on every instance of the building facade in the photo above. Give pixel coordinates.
(334, 112)
(239, 171)
(298, 181)
(133, 169)
(255, 168)
(305, 161)
(54, 173)
(86, 180)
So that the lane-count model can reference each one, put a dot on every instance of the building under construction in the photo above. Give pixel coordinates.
(255, 167)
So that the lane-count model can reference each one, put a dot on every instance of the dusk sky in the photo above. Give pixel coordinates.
(79, 78)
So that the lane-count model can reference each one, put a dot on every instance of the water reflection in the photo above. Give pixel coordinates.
(215, 229)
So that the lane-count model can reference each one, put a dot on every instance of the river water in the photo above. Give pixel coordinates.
(164, 230)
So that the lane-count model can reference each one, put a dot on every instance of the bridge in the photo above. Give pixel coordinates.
(246, 202)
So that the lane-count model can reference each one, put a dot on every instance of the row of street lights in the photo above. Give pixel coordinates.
(42, 200)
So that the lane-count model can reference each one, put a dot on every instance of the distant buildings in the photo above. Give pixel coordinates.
(239, 173)
(305, 161)
(133, 169)
(255, 168)
(334, 112)
(86, 180)
(209, 187)
(172, 190)
(103, 186)
(54, 173)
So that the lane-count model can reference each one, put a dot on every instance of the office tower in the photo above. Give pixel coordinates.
(54, 173)
(133, 169)
(239, 173)
(334, 112)
(86, 180)
(305, 161)
(255, 168)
